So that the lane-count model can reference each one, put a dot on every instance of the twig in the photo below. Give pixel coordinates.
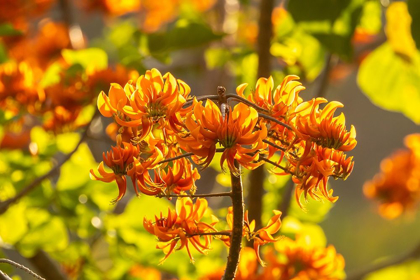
(238, 225)
(267, 117)
(24, 268)
(4, 205)
(196, 195)
(4, 276)
(247, 102)
(275, 164)
(219, 150)
(201, 98)
(46, 266)
(415, 254)
(227, 233)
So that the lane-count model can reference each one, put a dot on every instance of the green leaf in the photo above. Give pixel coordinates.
(45, 231)
(7, 29)
(185, 34)
(313, 233)
(216, 57)
(406, 271)
(332, 22)
(391, 82)
(321, 10)
(91, 59)
(75, 172)
(414, 10)
(66, 142)
(14, 224)
(51, 75)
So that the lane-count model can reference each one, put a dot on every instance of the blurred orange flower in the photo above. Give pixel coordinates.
(397, 185)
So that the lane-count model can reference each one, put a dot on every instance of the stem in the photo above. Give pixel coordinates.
(267, 117)
(4, 276)
(227, 233)
(24, 268)
(4, 205)
(238, 225)
(415, 254)
(247, 102)
(275, 164)
(196, 195)
(219, 150)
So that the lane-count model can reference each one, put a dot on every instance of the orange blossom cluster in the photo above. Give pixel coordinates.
(161, 131)
(397, 185)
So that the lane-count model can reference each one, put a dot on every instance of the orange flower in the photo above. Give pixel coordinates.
(299, 260)
(153, 99)
(182, 225)
(263, 235)
(397, 186)
(119, 160)
(313, 168)
(179, 177)
(325, 129)
(235, 132)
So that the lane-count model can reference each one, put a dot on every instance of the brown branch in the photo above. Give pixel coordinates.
(201, 98)
(247, 102)
(414, 254)
(24, 268)
(238, 225)
(227, 233)
(219, 150)
(4, 205)
(196, 195)
(4, 276)
(275, 164)
(267, 117)
(46, 266)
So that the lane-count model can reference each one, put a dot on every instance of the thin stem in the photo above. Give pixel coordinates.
(219, 150)
(238, 225)
(267, 117)
(201, 98)
(196, 195)
(247, 102)
(24, 268)
(275, 164)
(414, 254)
(4, 205)
(227, 233)
(4, 276)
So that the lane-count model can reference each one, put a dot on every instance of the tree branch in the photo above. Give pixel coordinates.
(24, 268)
(238, 225)
(196, 195)
(4, 276)
(4, 205)
(414, 254)
(227, 233)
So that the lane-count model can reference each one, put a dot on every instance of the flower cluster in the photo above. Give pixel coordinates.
(161, 132)
(40, 80)
(183, 225)
(290, 260)
(397, 186)
(156, 115)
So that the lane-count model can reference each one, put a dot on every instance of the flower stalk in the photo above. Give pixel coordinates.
(238, 225)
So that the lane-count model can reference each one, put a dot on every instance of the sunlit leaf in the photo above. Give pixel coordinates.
(405, 271)
(312, 233)
(45, 231)
(91, 59)
(309, 10)
(14, 224)
(391, 82)
(216, 57)
(398, 31)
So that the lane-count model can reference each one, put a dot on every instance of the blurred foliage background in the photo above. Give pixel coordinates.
(58, 55)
